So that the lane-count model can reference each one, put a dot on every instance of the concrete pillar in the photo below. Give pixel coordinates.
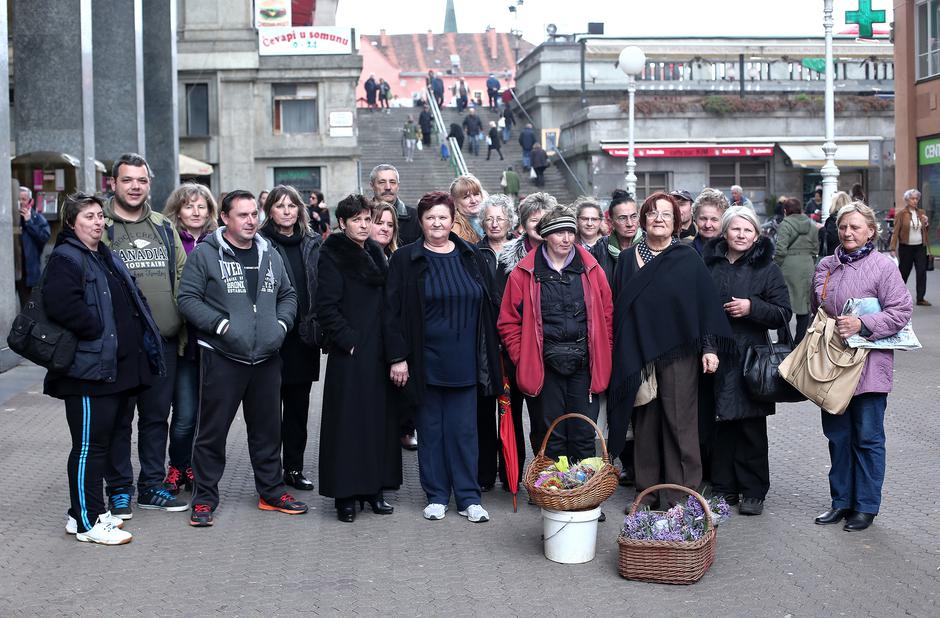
(161, 112)
(119, 83)
(905, 101)
(53, 81)
(8, 301)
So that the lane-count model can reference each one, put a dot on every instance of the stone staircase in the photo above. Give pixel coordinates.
(380, 141)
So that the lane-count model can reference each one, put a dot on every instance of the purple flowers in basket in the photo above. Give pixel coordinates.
(683, 522)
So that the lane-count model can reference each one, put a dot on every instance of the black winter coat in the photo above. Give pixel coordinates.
(359, 450)
(539, 158)
(604, 259)
(299, 362)
(753, 276)
(404, 317)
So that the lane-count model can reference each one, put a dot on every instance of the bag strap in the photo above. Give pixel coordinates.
(825, 284)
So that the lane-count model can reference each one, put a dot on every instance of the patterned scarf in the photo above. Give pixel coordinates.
(854, 256)
(647, 254)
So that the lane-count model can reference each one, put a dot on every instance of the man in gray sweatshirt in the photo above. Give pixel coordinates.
(238, 298)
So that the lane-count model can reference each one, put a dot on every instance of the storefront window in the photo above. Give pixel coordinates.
(927, 28)
(751, 175)
(928, 158)
(304, 179)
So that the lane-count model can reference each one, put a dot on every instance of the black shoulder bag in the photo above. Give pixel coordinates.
(37, 338)
(761, 378)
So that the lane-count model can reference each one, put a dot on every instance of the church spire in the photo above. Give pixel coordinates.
(450, 17)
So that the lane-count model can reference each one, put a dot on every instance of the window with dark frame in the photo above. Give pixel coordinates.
(295, 108)
(648, 183)
(752, 176)
(197, 109)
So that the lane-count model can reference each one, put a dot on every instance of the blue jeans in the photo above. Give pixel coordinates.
(857, 453)
(185, 407)
(527, 159)
(448, 452)
(507, 133)
(474, 145)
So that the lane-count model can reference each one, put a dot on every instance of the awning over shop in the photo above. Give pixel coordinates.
(690, 150)
(812, 155)
(193, 167)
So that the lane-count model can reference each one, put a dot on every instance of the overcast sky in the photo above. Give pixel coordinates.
(621, 17)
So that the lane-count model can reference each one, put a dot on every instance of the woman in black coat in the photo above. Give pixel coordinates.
(443, 350)
(755, 299)
(359, 453)
(287, 226)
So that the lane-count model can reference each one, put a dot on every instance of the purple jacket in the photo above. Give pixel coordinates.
(875, 275)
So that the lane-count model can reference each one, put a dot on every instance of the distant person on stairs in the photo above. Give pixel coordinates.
(410, 133)
(424, 121)
(493, 142)
(474, 129)
(527, 139)
(457, 133)
(539, 159)
(384, 181)
(510, 183)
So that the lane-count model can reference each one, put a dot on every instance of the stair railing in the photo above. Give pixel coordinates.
(456, 156)
(561, 157)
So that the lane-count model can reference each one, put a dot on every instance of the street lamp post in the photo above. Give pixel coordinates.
(631, 62)
(830, 172)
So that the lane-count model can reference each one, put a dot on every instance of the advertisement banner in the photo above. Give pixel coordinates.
(304, 41)
(693, 151)
(929, 151)
(272, 14)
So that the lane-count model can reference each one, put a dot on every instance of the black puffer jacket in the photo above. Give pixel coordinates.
(753, 276)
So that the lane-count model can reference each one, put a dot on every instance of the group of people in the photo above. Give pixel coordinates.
(422, 311)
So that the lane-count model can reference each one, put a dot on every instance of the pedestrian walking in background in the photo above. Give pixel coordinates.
(357, 419)
(237, 295)
(473, 127)
(457, 133)
(192, 210)
(527, 141)
(857, 437)
(738, 198)
(493, 142)
(814, 204)
(829, 233)
(555, 321)
(510, 182)
(707, 210)
(437, 87)
(508, 120)
(667, 319)
(910, 242)
(385, 93)
(153, 252)
(88, 290)
(34, 234)
(462, 92)
(539, 159)
(796, 251)
(424, 122)
(372, 89)
(492, 91)
(410, 135)
(288, 230)
(467, 195)
(443, 350)
(755, 298)
(317, 213)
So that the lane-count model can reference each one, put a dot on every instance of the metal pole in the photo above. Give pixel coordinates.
(741, 76)
(830, 172)
(631, 161)
(583, 54)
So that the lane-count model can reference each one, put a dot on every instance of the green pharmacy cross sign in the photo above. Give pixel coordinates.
(864, 17)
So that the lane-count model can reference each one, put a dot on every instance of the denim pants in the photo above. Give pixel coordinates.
(448, 452)
(857, 452)
(185, 408)
(526, 159)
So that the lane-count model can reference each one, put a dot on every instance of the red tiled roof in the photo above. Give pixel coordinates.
(410, 54)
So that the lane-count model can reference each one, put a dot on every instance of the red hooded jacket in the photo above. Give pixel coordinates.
(520, 323)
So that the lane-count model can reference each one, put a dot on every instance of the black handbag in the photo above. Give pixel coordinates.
(930, 258)
(35, 337)
(761, 378)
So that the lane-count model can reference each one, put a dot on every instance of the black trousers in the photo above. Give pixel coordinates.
(487, 441)
(225, 385)
(914, 256)
(561, 395)
(490, 149)
(295, 406)
(740, 464)
(97, 426)
(153, 427)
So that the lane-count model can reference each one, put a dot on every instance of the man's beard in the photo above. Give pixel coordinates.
(123, 204)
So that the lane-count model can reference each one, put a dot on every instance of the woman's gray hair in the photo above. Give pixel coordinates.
(911, 193)
(710, 197)
(504, 203)
(739, 211)
(536, 202)
(866, 212)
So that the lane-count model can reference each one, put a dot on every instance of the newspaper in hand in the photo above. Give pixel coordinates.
(903, 340)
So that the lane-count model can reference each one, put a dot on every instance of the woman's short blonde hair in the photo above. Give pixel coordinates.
(864, 210)
(379, 207)
(182, 196)
(463, 185)
(710, 197)
(839, 199)
(739, 211)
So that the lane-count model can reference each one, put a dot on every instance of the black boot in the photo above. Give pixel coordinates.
(858, 521)
(833, 516)
(346, 510)
(378, 504)
(297, 480)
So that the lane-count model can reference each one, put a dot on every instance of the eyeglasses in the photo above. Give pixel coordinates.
(496, 220)
(661, 214)
(589, 219)
(625, 218)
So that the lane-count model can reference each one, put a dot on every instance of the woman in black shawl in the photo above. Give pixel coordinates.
(667, 315)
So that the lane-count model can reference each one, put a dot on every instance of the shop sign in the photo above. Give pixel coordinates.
(693, 151)
(304, 41)
(272, 14)
(929, 151)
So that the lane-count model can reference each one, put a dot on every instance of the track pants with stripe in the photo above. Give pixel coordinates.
(96, 424)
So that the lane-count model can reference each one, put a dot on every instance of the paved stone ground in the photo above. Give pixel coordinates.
(257, 563)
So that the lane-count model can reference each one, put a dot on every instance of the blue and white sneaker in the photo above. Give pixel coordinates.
(120, 506)
(161, 499)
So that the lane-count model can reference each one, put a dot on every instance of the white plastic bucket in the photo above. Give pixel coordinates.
(570, 536)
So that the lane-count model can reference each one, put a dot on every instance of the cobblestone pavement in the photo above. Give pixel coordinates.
(256, 563)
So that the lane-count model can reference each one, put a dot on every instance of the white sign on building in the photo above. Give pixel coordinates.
(304, 41)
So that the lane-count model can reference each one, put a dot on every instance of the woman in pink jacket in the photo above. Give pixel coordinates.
(857, 437)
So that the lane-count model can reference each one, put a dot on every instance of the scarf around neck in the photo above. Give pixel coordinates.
(854, 256)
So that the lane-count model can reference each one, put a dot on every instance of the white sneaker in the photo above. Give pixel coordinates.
(105, 533)
(475, 513)
(71, 526)
(435, 511)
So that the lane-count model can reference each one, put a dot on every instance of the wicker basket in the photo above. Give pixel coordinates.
(588, 496)
(668, 562)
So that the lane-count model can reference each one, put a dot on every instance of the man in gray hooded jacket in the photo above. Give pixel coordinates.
(236, 294)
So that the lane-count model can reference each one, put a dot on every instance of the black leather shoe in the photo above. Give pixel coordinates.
(858, 521)
(297, 480)
(378, 504)
(346, 513)
(833, 516)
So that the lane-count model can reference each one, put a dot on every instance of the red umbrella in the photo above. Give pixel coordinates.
(507, 437)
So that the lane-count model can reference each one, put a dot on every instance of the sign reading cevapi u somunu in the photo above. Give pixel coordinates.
(304, 41)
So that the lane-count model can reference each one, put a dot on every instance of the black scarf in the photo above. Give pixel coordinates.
(367, 264)
(666, 310)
